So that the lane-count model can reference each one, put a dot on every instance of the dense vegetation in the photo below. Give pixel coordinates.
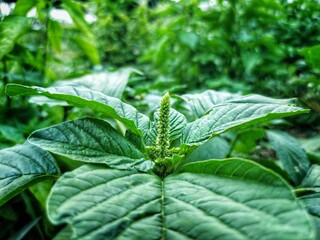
(160, 119)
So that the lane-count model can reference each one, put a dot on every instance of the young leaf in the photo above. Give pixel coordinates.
(177, 123)
(217, 199)
(91, 140)
(83, 97)
(21, 166)
(294, 160)
(227, 116)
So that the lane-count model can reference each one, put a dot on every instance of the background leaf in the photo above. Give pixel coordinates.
(292, 157)
(21, 166)
(11, 28)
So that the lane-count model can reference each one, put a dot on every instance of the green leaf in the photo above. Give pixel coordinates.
(22, 166)
(292, 157)
(55, 32)
(312, 179)
(312, 204)
(228, 116)
(312, 55)
(22, 7)
(218, 199)
(83, 97)
(216, 148)
(12, 134)
(89, 48)
(76, 13)
(11, 28)
(177, 123)
(93, 141)
(200, 103)
(64, 234)
(109, 83)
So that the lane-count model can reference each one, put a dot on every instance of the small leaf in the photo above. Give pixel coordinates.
(216, 199)
(22, 166)
(292, 157)
(83, 97)
(228, 116)
(177, 123)
(91, 140)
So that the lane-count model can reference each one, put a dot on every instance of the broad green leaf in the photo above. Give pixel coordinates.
(217, 199)
(83, 97)
(228, 116)
(93, 141)
(11, 28)
(22, 166)
(109, 83)
(312, 179)
(200, 103)
(177, 123)
(292, 157)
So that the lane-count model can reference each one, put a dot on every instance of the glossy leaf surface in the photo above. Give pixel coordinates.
(215, 199)
(91, 140)
(83, 97)
(227, 116)
(21, 166)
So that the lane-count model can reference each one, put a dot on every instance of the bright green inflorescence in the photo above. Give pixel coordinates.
(161, 152)
(163, 142)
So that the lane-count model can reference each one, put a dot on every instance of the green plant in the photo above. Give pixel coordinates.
(136, 184)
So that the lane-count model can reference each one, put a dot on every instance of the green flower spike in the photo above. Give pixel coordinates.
(163, 127)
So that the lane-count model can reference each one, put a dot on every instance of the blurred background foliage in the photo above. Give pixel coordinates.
(269, 47)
